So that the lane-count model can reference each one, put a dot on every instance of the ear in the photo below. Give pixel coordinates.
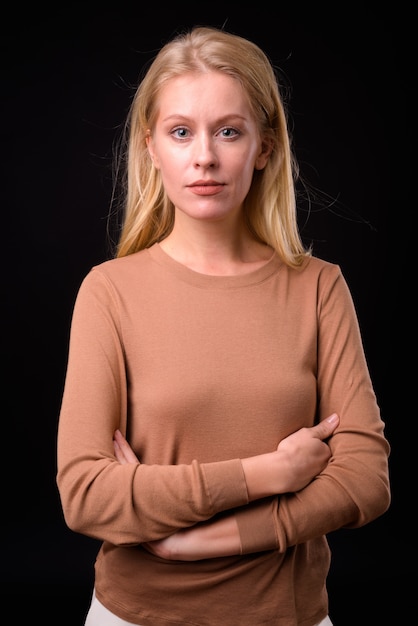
(262, 158)
(151, 149)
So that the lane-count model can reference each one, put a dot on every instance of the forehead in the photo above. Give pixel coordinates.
(201, 92)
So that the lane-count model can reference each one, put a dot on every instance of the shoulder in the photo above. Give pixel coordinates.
(317, 270)
(123, 265)
(320, 279)
(123, 270)
(116, 276)
(316, 265)
(329, 283)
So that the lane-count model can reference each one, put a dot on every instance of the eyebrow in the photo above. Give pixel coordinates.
(222, 120)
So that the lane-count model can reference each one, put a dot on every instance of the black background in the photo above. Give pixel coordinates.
(67, 84)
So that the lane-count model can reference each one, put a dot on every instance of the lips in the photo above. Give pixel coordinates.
(206, 188)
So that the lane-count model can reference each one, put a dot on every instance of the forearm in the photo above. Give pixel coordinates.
(215, 538)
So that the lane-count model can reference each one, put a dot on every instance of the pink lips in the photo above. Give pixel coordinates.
(206, 187)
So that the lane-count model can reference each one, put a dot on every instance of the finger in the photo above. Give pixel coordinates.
(325, 428)
(118, 453)
(125, 449)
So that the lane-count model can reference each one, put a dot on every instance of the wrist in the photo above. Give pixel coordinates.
(262, 475)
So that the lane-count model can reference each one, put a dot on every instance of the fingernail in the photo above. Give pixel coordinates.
(332, 418)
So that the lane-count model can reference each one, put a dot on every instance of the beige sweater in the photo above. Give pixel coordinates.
(201, 371)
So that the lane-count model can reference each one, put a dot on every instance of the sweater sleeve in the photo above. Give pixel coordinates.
(132, 503)
(354, 488)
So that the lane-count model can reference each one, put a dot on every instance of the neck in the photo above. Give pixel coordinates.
(210, 249)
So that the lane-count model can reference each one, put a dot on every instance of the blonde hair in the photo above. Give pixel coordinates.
(270, 206)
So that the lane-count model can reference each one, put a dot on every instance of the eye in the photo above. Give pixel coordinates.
(180, 133)
(229, 132)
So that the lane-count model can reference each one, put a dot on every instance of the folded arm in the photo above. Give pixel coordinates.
(296, 461)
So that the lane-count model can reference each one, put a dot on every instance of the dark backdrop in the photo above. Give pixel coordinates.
(66, 82)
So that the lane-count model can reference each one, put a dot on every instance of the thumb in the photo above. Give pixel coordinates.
(327, 426)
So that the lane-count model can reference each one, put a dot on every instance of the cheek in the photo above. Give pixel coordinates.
(245, 169)
(173, 164)
(171, 172)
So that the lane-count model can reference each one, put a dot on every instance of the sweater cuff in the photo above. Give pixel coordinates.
(257, 528)
(225, 484)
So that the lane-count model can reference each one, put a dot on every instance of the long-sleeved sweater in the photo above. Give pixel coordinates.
(201, 371)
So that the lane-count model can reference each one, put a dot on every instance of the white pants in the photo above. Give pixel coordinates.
(98, 615)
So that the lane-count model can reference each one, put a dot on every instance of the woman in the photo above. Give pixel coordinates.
(218, 417)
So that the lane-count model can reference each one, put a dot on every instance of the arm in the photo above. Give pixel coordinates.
(297, 460)
(353, 489)
(105, 499)
(100, 497)
(136, 502)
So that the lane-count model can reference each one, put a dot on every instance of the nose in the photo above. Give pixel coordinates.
(205, 152)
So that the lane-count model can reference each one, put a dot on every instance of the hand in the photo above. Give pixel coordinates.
(123, 451)
(215, 538)
(298, 459)
(208, 540)
(305, 453)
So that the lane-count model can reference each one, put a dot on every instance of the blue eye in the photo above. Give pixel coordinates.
(180, 133)
(229, 132)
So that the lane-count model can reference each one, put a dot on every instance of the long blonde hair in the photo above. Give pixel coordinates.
(270, 206)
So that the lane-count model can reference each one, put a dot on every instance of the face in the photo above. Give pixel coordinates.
(206, 145)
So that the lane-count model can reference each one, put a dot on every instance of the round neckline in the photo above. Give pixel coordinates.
(198, 279)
